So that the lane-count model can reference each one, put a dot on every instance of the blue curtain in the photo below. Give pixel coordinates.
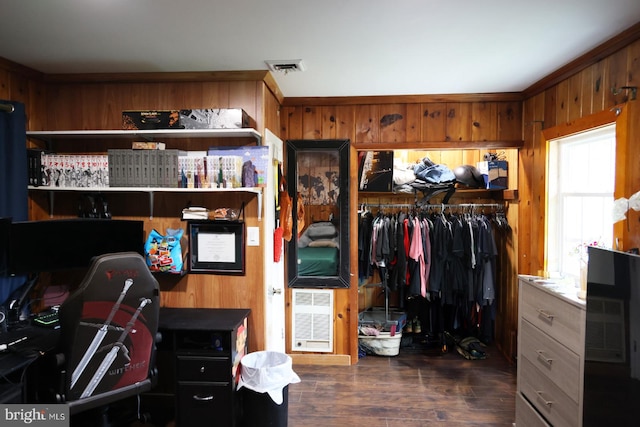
(13, 177)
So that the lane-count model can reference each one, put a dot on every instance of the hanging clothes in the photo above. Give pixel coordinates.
(447, 259)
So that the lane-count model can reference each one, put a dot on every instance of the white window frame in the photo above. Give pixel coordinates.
(565, 251)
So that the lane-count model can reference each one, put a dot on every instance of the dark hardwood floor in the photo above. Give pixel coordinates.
(422, 386)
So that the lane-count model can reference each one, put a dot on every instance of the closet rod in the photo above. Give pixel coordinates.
(6, 108)
(441, 205)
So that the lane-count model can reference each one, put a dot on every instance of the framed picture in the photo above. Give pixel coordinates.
(216, 247)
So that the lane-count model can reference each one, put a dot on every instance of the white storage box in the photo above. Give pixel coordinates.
(383, 345)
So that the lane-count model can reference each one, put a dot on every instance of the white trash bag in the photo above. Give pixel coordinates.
(267, 372)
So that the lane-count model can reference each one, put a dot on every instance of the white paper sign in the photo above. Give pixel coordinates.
(216, 247)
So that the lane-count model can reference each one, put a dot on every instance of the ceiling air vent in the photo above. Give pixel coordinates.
(286, 66)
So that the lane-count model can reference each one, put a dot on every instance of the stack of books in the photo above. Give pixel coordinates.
(195, 212)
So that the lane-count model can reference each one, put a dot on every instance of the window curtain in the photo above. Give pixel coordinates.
(13, 176)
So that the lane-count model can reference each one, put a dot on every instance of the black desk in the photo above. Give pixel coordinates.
(197, 364)
(34, 341)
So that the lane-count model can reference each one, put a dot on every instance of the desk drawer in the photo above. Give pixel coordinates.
(553, 316)
(559, 364)
(554, 405)
(207, 369)
(204, 404)
(526, 415)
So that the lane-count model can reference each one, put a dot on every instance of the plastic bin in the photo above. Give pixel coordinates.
(265, 377)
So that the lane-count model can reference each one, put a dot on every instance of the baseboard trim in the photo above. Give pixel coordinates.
(321, 359)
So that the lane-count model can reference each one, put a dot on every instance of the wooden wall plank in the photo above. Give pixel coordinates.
(509, 118)
(633, 66)
(367, 124)
(458, 125)
(484, 121)
(562, 99)
(434, 122)
(328, 118)
(345, 122)
(574, 97)
(617, 77)
(392, 121)
(292, 129)
(312, 123)
(413, 123)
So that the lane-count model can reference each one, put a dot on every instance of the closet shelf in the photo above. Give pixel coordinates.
(149, 190)
(441, 145)
(462, 192)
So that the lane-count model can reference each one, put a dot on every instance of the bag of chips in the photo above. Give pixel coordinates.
(164, 252)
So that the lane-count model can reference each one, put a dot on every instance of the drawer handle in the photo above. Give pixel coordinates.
(546, 402)
(545, 314)
(544, 358)
(202, 398)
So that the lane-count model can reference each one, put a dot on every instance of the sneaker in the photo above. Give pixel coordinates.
(416, 326)
(408, 328)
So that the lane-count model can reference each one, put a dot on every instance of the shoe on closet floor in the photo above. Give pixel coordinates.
(417, 328)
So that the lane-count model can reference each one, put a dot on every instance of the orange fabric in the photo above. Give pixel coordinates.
(286, 219)
(300, 214)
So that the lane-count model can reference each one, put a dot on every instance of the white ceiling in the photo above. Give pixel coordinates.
(349, 47)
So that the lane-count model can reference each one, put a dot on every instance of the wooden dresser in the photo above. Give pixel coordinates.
(551, 331)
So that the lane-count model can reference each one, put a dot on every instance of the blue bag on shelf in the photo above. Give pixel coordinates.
(164, 252)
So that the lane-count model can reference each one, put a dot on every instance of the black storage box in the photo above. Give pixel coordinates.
(151, 119)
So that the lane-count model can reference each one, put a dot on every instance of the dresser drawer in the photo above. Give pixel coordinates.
(204, 404)
(550, 401)
(526, 415)
(206, 369)
(559, 364)
(553, 316)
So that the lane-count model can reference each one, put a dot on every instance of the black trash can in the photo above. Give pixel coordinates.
(265, 377)
(259, 409)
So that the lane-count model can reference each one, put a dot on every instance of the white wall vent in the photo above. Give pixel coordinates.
(285, 65)
(312, 320)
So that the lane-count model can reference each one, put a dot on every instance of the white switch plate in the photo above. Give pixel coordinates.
(253, 236)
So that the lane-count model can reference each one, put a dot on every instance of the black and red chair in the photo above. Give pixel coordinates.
(108, 334)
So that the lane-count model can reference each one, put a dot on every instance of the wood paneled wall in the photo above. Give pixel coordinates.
(575, 103)
(86, 103)
(452, 130)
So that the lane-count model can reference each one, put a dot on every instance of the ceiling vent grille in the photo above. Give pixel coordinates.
(286, 66)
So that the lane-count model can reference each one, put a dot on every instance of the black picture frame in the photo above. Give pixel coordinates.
(217, 247)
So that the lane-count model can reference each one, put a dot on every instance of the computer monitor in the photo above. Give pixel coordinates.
(54, 245)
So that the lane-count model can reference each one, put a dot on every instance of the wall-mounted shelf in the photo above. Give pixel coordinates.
(150, 191)
(146, 134)
(113, 134)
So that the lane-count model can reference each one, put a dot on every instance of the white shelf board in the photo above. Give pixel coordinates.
(146, 134)
(150, 191)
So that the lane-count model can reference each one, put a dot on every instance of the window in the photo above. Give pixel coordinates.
(581, 180)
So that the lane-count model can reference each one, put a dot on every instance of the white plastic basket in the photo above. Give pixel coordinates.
(383, 345)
